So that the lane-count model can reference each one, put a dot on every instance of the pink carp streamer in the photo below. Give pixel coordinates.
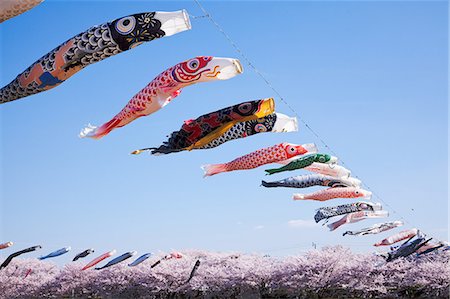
(357, 216)
(167, 86)
(403, 235)
(329, 169)
(99, 259)
(6, 245)
(338, 192)
(273, 154)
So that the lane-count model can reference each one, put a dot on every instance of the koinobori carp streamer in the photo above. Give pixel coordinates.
(338, 192)
(428, 248)
(375, 229)
(99, 259)
(11, 8)
(95, 44)
(173, 255)
(303, 162)
(118, 259)
(407, 248)
(16, 254)
(276, 153)
(202, 130)
(310, 180)
(83, 254)
(140, 259)
(403, 235)
(56, 253)
(329, 169)
(6, 245)
(328, 212)
(357, 216)
(194, 270)
(275, 123)
(167, 86)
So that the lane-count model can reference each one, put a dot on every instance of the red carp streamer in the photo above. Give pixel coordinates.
(167, 86)
(273, 154)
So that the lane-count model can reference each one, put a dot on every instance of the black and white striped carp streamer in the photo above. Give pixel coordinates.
(95, 44)
(374, 229)
(328, 212)
(12, 8)
(310, 180)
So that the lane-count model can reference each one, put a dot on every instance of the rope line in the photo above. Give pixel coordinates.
(269, 84)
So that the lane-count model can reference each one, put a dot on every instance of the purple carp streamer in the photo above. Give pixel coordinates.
(375, 229)
(95, 44)
(328, 212)
(231, 275)
(11, 8)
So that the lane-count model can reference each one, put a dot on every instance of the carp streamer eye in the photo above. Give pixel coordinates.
(245, 108)
(292, 149)
(357, 192)
(260, 128)
(125, 25)
(193, 64)
(322, 159)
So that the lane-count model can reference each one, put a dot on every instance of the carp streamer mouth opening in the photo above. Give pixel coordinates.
(238, 65)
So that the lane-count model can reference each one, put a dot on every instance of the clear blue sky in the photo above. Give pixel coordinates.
(369, 77)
